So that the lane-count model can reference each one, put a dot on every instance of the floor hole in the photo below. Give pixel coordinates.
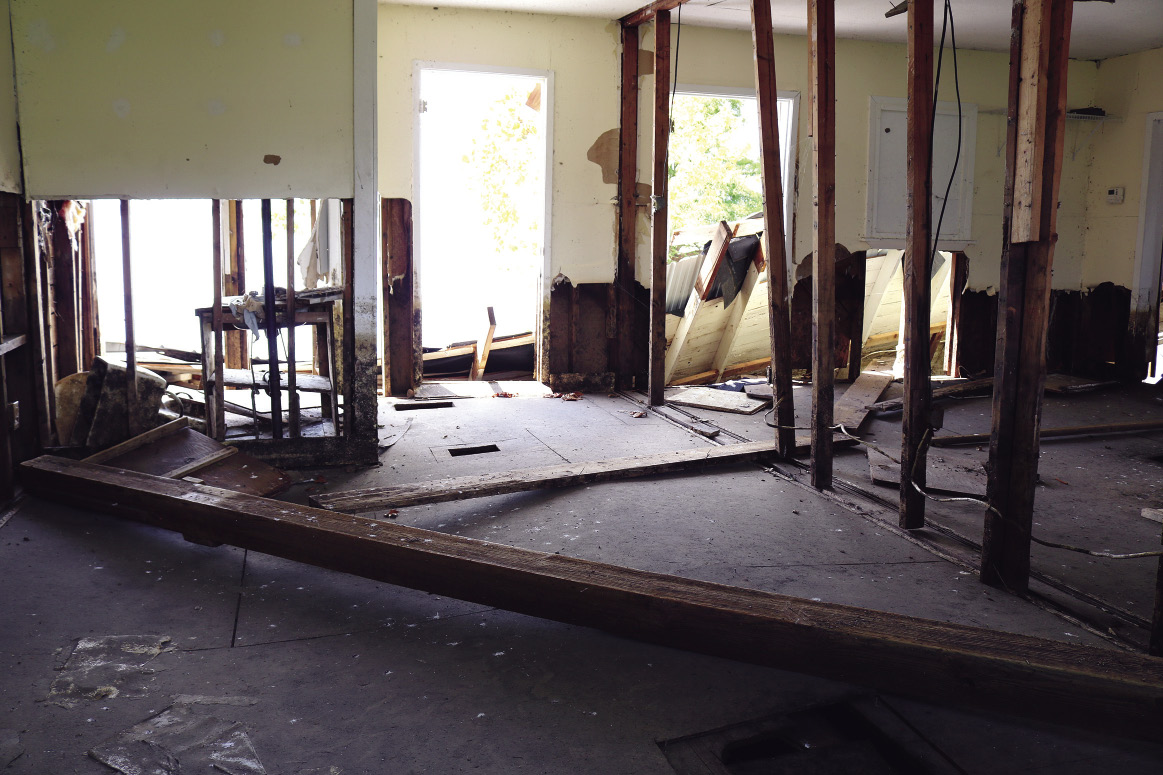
(478, 450)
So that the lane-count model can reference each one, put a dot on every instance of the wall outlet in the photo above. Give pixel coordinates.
(1116, 195)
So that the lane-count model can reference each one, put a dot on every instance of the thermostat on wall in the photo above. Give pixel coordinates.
(1115, 196)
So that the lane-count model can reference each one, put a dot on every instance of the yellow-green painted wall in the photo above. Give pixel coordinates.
(1128, 88)
(583, 55)
(724, 58)
(171, 98)
(9, 143)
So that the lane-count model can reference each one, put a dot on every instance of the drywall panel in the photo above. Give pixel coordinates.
(217, 98)
(9, 139)
(716, 57)
(1128, 89)
(583, 55)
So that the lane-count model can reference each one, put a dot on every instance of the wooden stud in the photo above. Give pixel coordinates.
(64, 296)
(213, 354)
(958, 279)
(1030, 153)
(292, 359)
(90, 321)
(822, 55)
(1023, 320)
(623, 350)
(1096, 688)
(856, 329)
(347, 345)
(403, 353)
(650, 11)
(659, 237)
(130, 340)
(38, 332)
(915, 429)
(774, 233)
(271, 324)
(237, 345)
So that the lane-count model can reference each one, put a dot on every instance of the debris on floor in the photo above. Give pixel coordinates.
(394, 436)
(959, 481)
(105, 667)
(102, 416)
(177, 740)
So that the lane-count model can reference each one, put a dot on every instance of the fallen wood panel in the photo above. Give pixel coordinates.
(715, 400)
(1110, 429)
(565, 475)
(854, 405)
(1115, 691)
(940, 480)
(971, 387)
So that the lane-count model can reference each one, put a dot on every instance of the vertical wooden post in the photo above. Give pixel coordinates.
(65, 309)
(958, 277)
(403, 353)
(237, 346)
(91, 326)
(822, 50)
(216, 409)
(347, 345)
(38, 333)
(292, 388)
(130, 341)
(774, 236)
(856, 325)
(918, 248)
(274, 388)
(623, 360)
(1024, 300)
(659, 236)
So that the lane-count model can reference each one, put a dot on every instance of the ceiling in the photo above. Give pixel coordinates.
(1101, 30)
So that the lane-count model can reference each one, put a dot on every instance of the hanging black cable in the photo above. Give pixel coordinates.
(946, 22)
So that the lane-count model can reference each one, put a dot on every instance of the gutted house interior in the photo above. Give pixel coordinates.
(696, 386)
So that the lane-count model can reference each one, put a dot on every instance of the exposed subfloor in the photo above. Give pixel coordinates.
(329, 673)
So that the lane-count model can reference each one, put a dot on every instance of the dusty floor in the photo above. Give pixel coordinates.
(327, 673)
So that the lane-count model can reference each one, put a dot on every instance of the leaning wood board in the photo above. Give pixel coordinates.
(565, 475)
(852, 407)
(712, 399)
(1115, 691)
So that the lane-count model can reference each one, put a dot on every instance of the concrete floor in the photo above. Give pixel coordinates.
(329, 673)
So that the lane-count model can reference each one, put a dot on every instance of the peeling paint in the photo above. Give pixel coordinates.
(217, 38)
(292, 40)
(604, 153)
(645, 62)
(121, 108)
(271, 158)
(40, 36)
(215, 107)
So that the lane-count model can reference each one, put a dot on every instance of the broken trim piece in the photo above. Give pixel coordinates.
(1121, 693)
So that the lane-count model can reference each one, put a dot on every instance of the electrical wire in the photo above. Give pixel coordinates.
(946, 22)
(965, 499)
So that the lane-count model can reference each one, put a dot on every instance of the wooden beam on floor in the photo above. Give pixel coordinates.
(548, 477)
(1100, 689)
(774, 235)
(623, 349)
(1065, 432)
(656, 381)
(822, 59)
(1024, 307)
(915, 428)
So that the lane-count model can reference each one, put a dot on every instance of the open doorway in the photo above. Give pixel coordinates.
(483, 156)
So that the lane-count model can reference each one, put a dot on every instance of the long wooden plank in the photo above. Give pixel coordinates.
(292, 358)
(918, 243)
(140, 440)
(656, 378)
(481, 359)
(774, 237)
(822, 58)
(213, 352)
(130, 341)
(550, 477)
(1115, 691)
